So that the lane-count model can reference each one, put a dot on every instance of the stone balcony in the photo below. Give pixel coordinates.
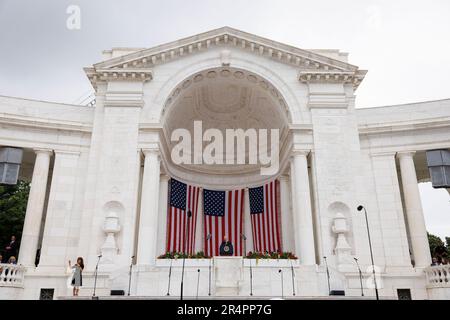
(438, 282)
(11, 275)
(438, 276)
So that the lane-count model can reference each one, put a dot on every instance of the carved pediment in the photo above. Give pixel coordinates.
(128, 65)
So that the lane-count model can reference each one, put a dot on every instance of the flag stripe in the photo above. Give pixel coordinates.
(265, 217)
(181, 229)
(223, 216)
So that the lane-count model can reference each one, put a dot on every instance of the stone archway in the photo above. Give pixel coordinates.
(224, 98)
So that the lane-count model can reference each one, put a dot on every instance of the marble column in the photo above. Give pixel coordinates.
(162, 224)
(35, 208)
(414, 212)
(199, 234)
(247, 224)
(58, 220)
(148, 222)
(302, 213)
(286, 214)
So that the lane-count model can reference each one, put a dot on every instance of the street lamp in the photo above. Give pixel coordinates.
(359, 208)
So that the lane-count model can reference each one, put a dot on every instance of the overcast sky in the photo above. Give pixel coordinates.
(405, 45)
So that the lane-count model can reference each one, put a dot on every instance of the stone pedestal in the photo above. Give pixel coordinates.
(228, 273)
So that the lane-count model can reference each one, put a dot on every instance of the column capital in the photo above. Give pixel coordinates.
(68, 152)
(300, 152)
(402, 154)
(151, 149)
(164, 177)
(43, 151)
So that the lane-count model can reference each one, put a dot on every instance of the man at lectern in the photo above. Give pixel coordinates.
(226, 248)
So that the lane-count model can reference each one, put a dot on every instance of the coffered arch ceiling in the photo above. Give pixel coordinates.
(225, 98)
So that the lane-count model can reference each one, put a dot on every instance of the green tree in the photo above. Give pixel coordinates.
(436, 242)
(13, 205)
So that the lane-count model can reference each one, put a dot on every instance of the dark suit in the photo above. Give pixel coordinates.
(11, 252)
(226, 248)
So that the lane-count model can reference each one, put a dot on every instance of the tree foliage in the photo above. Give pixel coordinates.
(437, 247)
(13, 205)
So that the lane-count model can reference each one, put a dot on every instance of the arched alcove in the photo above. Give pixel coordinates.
(224, 98)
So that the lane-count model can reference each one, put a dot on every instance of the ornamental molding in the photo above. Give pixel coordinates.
(333, 76)
(138, 64)
(99, 75)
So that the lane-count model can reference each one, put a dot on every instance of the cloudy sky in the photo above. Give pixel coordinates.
(404, 44)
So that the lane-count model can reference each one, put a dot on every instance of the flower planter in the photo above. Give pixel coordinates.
(279, 263)
(179, 262)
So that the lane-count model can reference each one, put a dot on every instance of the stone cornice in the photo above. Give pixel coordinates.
(40, 123)
(97, 75)
(300, 127)
(403, 126)
(333, 76)
(226, 37)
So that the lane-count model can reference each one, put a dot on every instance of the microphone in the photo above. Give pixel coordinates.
(328, 275)
(189, 213)
(282, 283)
(100, 255)
(359, 208)
(208, 237)
(132, 257)
(243, 236)
(198, 282)
(355, 259)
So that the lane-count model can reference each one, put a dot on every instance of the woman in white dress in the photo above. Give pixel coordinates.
(77, 278)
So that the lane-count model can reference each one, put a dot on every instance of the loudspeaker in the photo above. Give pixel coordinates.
(10, 160)
(337, 293)
(404, 294)
(117, 292)
(438, 162)
(46, 294)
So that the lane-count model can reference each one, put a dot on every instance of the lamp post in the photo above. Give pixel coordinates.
(360, 208)
(189, 214)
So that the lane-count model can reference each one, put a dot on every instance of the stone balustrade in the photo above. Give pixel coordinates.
(438, 276)
(11, 275)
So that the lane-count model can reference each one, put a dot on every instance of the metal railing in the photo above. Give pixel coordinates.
(438, 276)
(11, 275)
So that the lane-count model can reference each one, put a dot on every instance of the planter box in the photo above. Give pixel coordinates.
(274, 263)
(179, 262)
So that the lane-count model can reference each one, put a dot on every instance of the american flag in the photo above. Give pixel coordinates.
(223, 212)
(265, 217)
(182, 198)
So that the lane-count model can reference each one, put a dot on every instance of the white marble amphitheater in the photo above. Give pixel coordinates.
(99, 175)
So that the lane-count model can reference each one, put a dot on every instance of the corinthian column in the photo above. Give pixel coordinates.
(35, 207)
(414, 212)
(148, 221)
(303, 223)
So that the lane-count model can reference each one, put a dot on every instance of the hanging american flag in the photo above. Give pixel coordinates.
(181, 229)
(265, 217)
(223, 212)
